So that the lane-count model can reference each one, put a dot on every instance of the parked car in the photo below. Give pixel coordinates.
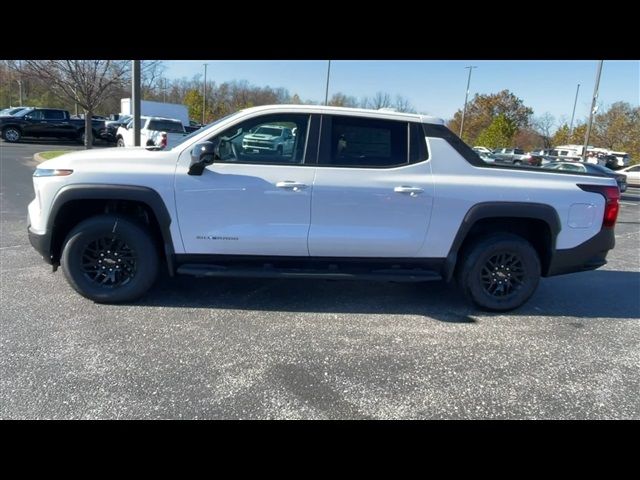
(111, 127)
(487, 157)
(46, 122)
(633, 175)
(581, 167)
(269, 139)
(513, 156)
(154, 132)
(482, 150)
(363, 194)
(11, 111)
(193, 126)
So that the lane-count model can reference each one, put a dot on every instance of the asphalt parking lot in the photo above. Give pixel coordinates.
(259, 349)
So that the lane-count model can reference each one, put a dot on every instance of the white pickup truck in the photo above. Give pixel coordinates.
(154, 132)
(361, 194)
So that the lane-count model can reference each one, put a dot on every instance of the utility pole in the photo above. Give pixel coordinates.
(135, 101)
(20, 82)
(574, 111)
(466, 97)
(204, 94)
(326, 92)
(593, 110)
(164, 91)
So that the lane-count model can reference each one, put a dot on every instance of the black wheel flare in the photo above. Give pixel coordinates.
(502, 275)
(109, 262)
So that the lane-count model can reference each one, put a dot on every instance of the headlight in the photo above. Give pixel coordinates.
(51, 172)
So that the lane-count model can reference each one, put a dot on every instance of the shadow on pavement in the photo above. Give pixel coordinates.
(597, 294)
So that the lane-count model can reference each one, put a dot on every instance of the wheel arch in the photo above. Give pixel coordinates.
(99, 198)
(536, 222)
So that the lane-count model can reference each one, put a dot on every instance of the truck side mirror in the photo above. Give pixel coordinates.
(203, 154)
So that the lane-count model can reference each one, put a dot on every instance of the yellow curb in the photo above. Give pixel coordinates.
(38, 158)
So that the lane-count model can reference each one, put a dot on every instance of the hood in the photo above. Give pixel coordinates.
(260, 136)
(109, 159)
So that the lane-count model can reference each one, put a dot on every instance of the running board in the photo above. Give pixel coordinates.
(389, 275)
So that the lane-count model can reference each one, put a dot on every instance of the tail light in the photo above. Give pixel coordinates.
(163, 140)
(612, 205)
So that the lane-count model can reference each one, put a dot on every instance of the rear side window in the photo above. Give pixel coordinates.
(166, 126)
(54, 115)
(518, 151)
(363, 142)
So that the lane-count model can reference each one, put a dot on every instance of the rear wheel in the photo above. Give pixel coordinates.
(110, 259)
(499, 272)
(12, 134)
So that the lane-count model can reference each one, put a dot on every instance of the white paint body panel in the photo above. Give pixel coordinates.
(355, 212)
(238, 209)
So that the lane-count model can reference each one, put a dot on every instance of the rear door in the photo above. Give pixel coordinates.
(373, 190)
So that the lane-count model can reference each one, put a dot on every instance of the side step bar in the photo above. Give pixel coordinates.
(391, 274)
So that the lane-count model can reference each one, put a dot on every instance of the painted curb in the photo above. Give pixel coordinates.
(38, 158)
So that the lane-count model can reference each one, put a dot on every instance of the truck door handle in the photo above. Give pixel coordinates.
(291, 185)
(413, 191)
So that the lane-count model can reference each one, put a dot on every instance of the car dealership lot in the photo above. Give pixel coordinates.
(250, 348)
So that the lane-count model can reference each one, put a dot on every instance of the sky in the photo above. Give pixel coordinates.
(436, 87)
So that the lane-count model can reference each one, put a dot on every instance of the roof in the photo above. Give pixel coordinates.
(360, 112)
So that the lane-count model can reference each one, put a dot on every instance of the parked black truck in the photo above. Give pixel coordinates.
(46, 122)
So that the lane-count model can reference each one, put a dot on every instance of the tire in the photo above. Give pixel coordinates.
(477, 274)
(120, 142)
(12, 134)
(134, 261)
(517, 162)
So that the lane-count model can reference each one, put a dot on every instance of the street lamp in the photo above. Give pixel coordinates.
(594, 108)
(204, 94)
(466, 96)
(326, 92)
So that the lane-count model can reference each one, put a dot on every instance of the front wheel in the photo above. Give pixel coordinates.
(499, 272)
(110, 259)
(120, 142)
(12, 134)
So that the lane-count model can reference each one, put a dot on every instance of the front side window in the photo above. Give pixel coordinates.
(268, 139)
(37, 115)
(364, 142)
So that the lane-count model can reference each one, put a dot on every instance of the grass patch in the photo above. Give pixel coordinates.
(53, 154)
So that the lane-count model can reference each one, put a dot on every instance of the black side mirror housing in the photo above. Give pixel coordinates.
(203, 154)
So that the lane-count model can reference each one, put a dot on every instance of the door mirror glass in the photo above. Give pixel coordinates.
(203, 154)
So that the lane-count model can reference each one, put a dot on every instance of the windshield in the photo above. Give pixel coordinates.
(22, 113)
(199, 131)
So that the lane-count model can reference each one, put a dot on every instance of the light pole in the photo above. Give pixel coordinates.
(593, 109)
(574, 111)
(326, 92)
(466, 96)
(204, 94)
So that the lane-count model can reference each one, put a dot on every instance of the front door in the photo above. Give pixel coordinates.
(250, 201)
(373, 191)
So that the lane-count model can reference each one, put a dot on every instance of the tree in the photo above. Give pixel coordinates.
(579, 132)
(483, 110)
(617, 128)
(378, 101)
(544, 126)
(402, 104)
(499, 134)
(193, 101)
(342, 100)
(85, 82)
(561, 137)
